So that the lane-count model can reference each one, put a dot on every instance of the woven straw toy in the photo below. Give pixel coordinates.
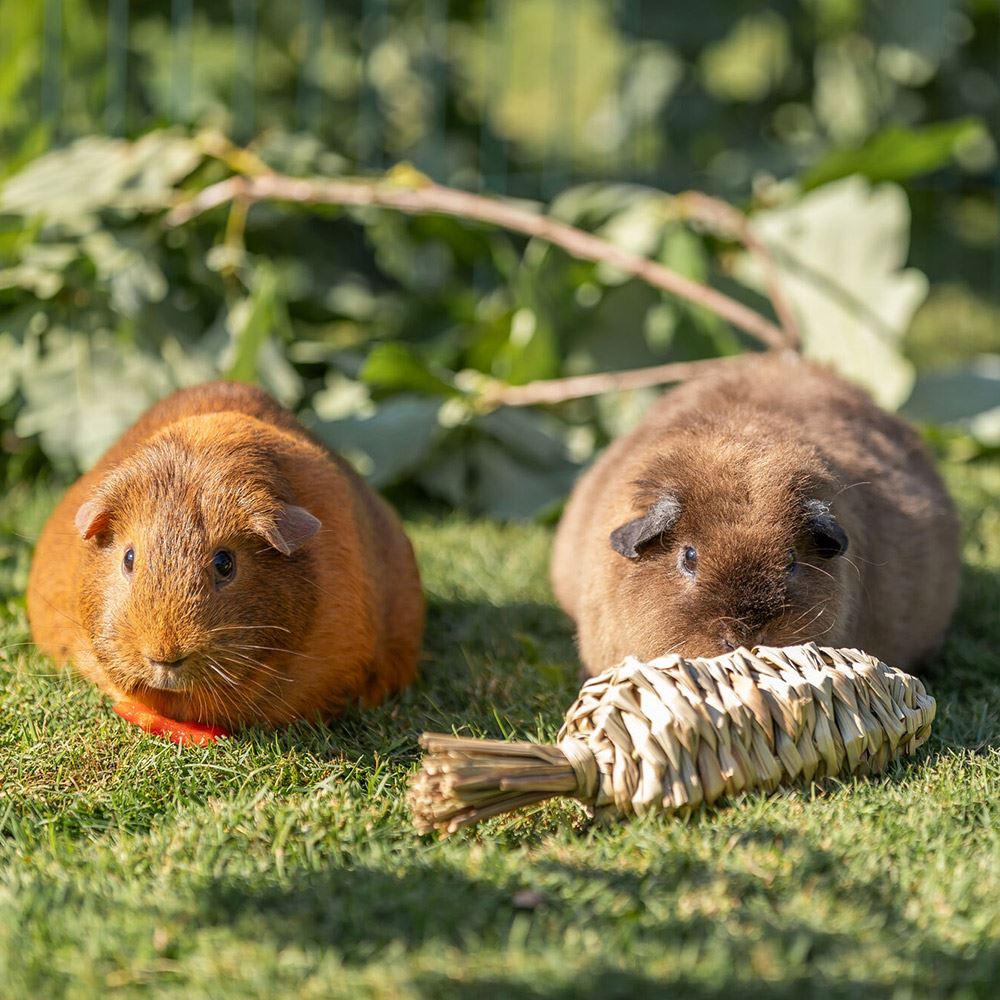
(673, 734)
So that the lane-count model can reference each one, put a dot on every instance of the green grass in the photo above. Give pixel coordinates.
(285, 864)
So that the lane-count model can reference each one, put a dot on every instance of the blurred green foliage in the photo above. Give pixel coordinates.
(379, 328)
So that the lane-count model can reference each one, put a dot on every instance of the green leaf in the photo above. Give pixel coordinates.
(532, 435)
(511, 489)
(447, 475)
(685, 253)
(74, 396)
(389, 445)
(11, 360)
(968, 396)
(97, 172)
(518, 463)
(840, 253)
(131, 271)
(614, 336)
(751, 61)
(397, 368)
(250, 323)
(895, 153)
(590, 205)
(510, 463)
(277, 375)
(637, 228)
(527, 349)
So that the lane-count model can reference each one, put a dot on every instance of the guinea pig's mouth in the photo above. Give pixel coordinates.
(185, 691)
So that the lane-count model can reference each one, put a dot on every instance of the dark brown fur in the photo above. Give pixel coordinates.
(744, 455)
(302, 634)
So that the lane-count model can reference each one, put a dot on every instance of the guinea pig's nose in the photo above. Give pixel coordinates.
(167, 664)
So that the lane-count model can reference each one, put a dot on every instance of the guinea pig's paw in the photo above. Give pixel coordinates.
(184, 733)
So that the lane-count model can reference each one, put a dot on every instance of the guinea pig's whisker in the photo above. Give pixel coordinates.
(808, 611)
(819, 569)
(817, 611)
(243, 705)
(853, 565)
(216, 703)
(25, 538)
(199, 708)
(819, 635)
(805, 631)
(797, 630)
(265, 692)
(850, 486)
(263, 627)
(245, 660)
(226, 707)
(330, 595)
(237, 650)
(277, 649)
(228, 678)
(220, 701)
(722, 619)
(62, 613)
(269, 649)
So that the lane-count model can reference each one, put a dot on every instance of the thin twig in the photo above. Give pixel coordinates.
(239, 159)
(727, 220)
(426, 197)
(559, 390)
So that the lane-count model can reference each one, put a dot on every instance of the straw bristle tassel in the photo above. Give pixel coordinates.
(673, 734)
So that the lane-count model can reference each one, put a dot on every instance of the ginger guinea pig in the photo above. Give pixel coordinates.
(219, 565)
(772, 504)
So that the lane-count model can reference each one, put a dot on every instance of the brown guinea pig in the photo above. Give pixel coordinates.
(772, 504)
(219, 565)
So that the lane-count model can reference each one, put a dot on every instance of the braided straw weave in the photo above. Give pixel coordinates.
(673, 734)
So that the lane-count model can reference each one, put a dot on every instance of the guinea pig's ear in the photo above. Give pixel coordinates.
(92, 518)
(631, 536)
(827, 534)
(291, 529)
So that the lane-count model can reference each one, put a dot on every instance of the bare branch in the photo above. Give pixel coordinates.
(559, 390)
(420, 196)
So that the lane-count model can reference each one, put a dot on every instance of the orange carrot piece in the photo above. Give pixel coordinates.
(184, 733)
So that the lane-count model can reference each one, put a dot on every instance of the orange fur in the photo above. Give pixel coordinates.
(741, 454)
(293, 635)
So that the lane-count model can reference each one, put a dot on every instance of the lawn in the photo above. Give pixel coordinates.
(285, 863)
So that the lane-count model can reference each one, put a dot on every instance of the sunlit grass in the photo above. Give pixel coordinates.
(284, 863)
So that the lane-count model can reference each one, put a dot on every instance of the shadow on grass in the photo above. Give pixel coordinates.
(492, 669)
(482, 663)
(755, 949)
(971, 653)
(965, 676)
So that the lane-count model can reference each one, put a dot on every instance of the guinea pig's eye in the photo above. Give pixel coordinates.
(128, 561)
(792, 564)
(223, 565)
(689, 560)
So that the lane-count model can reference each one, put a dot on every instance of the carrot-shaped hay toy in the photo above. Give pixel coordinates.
(672, 734)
